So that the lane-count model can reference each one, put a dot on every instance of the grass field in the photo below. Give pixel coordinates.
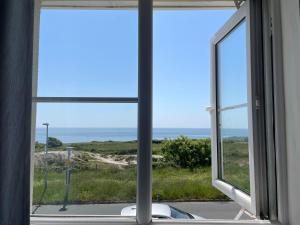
(104, 182)
(115, 185)
(236, 164)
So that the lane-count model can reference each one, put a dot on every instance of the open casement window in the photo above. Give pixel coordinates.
(237, 134)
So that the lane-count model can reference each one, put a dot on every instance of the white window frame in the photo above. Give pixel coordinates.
(261, 200)
(36, 99)
(245, 200)
(146, 205)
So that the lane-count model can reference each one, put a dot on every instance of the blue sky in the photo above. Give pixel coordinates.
(94, 53)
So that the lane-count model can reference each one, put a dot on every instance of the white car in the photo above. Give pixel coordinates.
(162, 211)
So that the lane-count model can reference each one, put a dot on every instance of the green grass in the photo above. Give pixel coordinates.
(236, 164)
(184, 184)
(107, 184)
(110, 183)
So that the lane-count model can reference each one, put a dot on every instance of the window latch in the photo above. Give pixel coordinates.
(210, 109)
(257, 104)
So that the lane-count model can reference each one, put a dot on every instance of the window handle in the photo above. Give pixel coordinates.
(210, 109)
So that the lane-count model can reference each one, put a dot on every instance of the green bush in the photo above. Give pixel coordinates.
(39, 147)
(54, 142)
(187, 153)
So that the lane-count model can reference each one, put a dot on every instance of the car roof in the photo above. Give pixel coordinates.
(161, 210)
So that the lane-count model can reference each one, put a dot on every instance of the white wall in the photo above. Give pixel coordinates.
(291, 54)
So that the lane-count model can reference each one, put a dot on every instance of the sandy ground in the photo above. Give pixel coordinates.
(61, 157)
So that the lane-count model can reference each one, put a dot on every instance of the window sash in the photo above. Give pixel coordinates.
(144, 101)
(244, 200)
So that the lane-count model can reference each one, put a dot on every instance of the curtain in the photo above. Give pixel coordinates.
(16, 44)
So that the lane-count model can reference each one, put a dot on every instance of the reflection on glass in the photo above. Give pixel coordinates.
(88, 53)
(232, 105)
(90, 158)
(232, 67)
(235, 154)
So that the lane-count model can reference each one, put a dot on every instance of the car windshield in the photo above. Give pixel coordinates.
(178, 214)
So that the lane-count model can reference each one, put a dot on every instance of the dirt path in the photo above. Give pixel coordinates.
(109, 160)
(61, 157)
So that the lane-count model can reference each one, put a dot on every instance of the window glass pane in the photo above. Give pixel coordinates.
(178, 214)
(234, 147)
(232, 67)
(97, 176)
(88, 53)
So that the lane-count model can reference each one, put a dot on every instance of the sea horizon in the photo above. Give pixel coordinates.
(84, 134)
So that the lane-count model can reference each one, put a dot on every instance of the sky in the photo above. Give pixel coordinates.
(95, 53)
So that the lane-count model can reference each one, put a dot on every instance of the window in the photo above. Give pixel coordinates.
(181, 150)
(178, 214)
(85, 113)
(232, 108)
(105, 56)
(237, 105)
(88, 159)
(237, 167)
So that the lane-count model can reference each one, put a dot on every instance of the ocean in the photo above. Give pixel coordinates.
(77, 135)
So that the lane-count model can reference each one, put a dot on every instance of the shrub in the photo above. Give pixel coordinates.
(39, 147)
(187, 153)
(54, 142)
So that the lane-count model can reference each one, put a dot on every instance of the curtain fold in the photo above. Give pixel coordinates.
(16, 44)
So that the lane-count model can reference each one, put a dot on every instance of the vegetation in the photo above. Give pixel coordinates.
(187, 153)
(106, 171)
(54, 142)
(111, 184)
(104, 147)
(236, 163)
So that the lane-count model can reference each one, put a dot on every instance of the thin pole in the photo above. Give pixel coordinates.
(68, 179)
(46, 155)
(144, 165)
(47, 138)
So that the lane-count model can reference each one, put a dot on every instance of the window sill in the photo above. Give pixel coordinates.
(85, 220)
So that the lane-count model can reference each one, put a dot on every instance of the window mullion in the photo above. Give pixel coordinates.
(144, 161)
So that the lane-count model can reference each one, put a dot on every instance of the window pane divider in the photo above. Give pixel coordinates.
(145, 92)
(233, 107)
(85, 99)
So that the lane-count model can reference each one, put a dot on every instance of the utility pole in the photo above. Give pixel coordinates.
(46, 155)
